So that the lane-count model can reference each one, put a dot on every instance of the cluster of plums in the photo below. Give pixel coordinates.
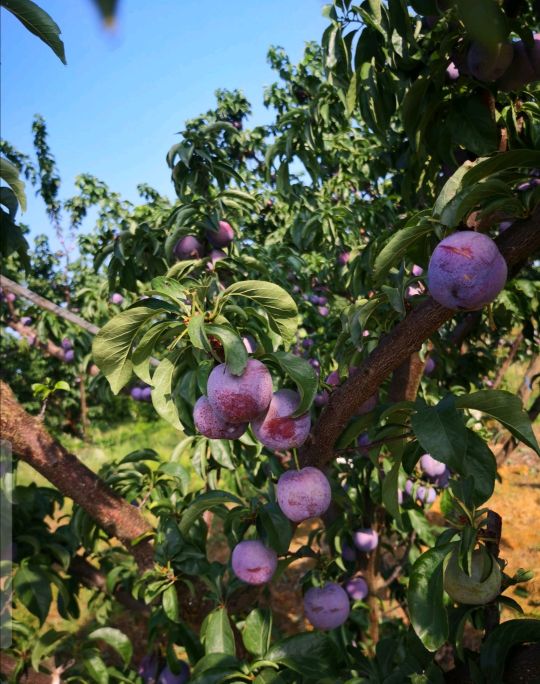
(191, 247)
(434, 474)
(150, 673)
(141, 393)
(69, 352)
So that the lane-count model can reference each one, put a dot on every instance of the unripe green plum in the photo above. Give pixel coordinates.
(481, 587)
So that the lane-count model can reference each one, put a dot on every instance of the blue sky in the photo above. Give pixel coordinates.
(114, 110)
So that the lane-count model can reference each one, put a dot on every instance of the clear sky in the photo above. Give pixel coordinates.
(114, 110)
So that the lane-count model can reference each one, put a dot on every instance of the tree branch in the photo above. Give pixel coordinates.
(517, 245)
(33, 444)
(8, 665)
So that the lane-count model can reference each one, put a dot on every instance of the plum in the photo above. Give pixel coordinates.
(26, 320)
(146, 393)
(442, 480)
(489, 64)
(344, 258)
(277, 429)
(323, 311)
(321, 399)
(222, 237)
(348, 553)
(430, 366)
(11, 297)
(211, 424)
(249, 344)
(307, 343)
(303, 494)
(314, 363)
(188, 247)
(368, 405)
(69, 355)
(417, 270)
(466, 271)
(409, 486)
(363, 442)
(430, 466)
(240, 398)
(333, 379)
(366, 539)
(66, 343)
(116, 298)
(481, 587)
(93, 370)
(167, 676)
(136, 393)
(326, 607)
(148, 668)
(253, 562)
(357, 588)
(522, 70)
(452, 71)
(215, 256)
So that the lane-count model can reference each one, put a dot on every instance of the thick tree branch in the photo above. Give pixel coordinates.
(30, 335)
(517, 244)
(33, 444)
(406, 379)
(8, 665)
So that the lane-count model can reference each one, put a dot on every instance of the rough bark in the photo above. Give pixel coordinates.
(33, 444)
(518, 244)
(406, 379)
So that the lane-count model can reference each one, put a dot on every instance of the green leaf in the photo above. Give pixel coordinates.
(169, 288)
(495, 648)
(38, 22)
(450, 189)
(477, 461)
(235, 351)
(202, 503)
(61, 385)
(218, 634)
(311, 654)
(471, 196)
(115, 639)
(512, 159)
(441, 432)
(425, 598)
(197, 332)
(95, 667)
(504, 407)
(33, 589)
(163, 382)
(276, 527)
(484, 21)
(113, 344)
(400, 242)
(44, 645)
(257, 632)
(303, 375)
(143, 352)
(169, 601)
(390, 492)
(10, 174)
(9, 200)
(277, 303)
(222, 453)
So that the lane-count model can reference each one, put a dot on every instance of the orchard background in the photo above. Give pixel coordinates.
(365, 525)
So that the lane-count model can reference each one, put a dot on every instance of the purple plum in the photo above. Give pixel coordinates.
(249, 344)
(348, 553)
(504, 225)
(489, 64)
(69, 355)
(253, 562)
(314, 363)
(417, 270)
(66, 343)
(326, 607)
(277, 429)
(211, 424)
(116, 298)
(466, 271)
(188, 247)
(11, 297)
(321, 399)
(452, 71)
(357, 588)
(148, 668)
(215, 256)
(240, 398)
(363, 443)
(344, 258)
(524, 69)
(307, 343)
(26, 320)
(409, 486)
(303, 494)
(323, 301)
(426, 494)
(146, 393)
(430, 366)
(166, 676)
(333, 379)
(366, 539)
(442, 480)
(431, 467)
(136, 393)
(222, 237)
(323, 311)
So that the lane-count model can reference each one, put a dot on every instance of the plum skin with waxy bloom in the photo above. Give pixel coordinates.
(240, 398)
(466, 271)
(212, 425)
(357, 588)
(327, 607)
(303, 494)
(277, 429)
(222, 237)
(253, 562)
(366, 539)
